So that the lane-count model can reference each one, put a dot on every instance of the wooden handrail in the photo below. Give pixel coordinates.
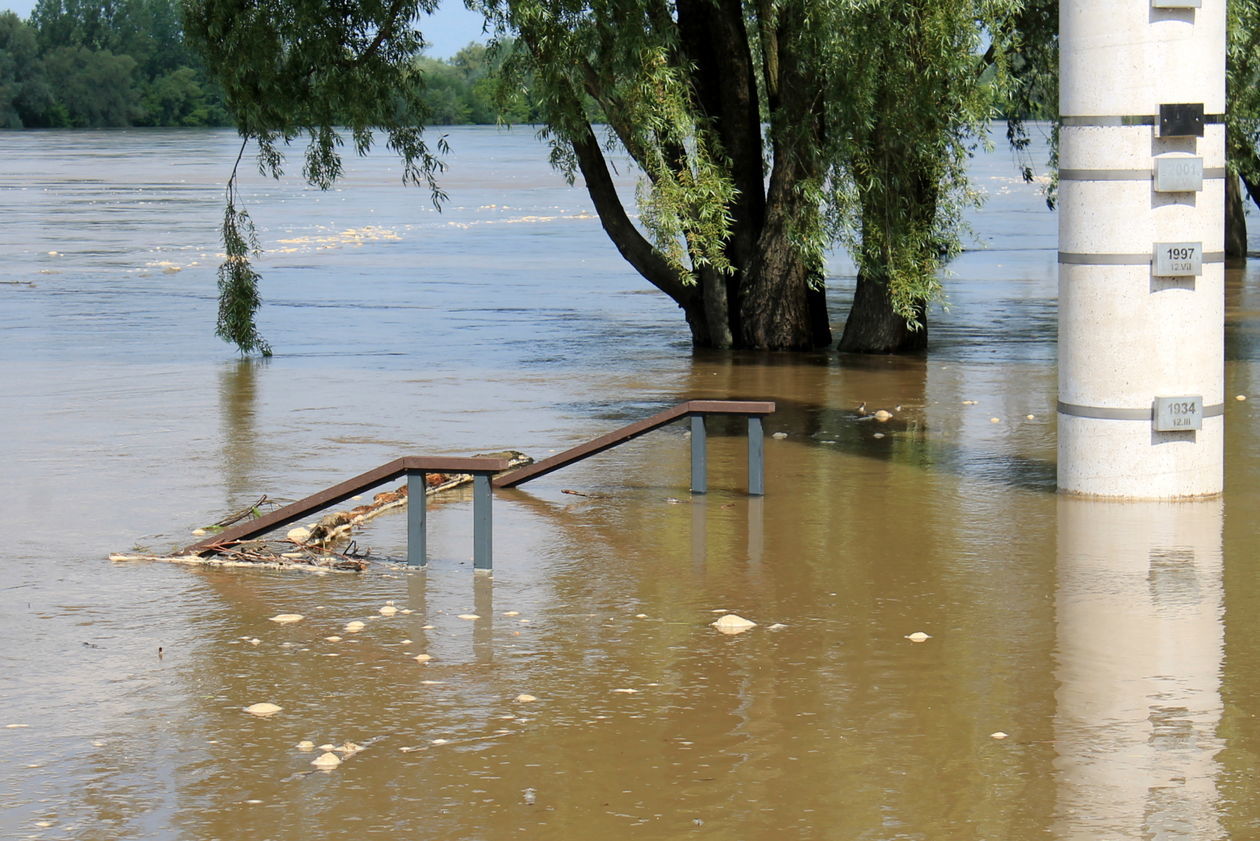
(342, 491)
(631, 431)
(482, 468)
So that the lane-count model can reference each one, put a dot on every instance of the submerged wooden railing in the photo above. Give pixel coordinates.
(694, 409)
(416, 468)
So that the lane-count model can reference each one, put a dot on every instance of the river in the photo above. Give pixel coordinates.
(1112, 644)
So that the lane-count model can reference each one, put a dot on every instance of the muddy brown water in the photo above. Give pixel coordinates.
(1113, 644)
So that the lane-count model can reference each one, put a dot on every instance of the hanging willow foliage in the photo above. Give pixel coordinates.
(239, 296)
(329, 72)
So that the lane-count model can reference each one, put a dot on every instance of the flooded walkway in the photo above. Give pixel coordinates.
(1110, 644)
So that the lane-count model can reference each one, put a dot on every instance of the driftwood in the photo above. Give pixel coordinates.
(337, 526)
(310, 548)
(263, 554)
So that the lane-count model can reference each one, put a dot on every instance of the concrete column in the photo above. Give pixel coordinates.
(1140, 646)
(1130, 329)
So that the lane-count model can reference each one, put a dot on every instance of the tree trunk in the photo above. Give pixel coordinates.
(1235, 220)
(775, 303)
(819, 318)
(717, 311)
(873, 327)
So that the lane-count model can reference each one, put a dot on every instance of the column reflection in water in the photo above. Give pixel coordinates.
(1139, 615)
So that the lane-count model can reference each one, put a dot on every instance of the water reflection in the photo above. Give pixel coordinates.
(1139, 617)
(238, 414)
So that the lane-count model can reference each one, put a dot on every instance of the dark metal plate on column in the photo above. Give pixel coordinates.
(1181, 120)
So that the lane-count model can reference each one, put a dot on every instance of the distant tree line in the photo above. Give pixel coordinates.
(114, 63)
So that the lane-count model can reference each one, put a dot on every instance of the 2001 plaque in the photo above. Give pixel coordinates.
(1178, 174)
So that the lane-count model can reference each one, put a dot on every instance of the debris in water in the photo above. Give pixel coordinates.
(999, 735)
(525, 699)
(439, 741)
(326, 761)
(325, 748)
(427, 627)
(511, 613)
(198, 532)
(878, 435)
(254, 641)
(994, 420)
(333, 639)
(423, 658)
(882, 415)
(349, 749)
(286, 618)
(627, 691)
(918, 636)
(640, 616)
(777, 626)
(732, 624)
(405, 642)
(305, 745)
(970, 402)
(1240, 397)
(468, 616)
(354, 626)
(431, 682)
(1030, 417)
(388, 610)
(779, 436)
(263, 709)
(15, 726)
(529, 796)
(299, 534)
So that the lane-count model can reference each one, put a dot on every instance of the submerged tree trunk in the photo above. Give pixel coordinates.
(777, 309)
(1235, 220)
(873, 326)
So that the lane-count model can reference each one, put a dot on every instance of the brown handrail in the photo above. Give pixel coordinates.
(341, 492)
(605, 442)
(482, 468)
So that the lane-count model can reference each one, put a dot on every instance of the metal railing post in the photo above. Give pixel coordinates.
(756, 457)
(483, 560)
(417, 502)
(699, 456)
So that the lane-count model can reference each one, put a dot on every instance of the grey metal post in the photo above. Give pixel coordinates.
(417, 501)
(699, 456)
(483, 560)
(756, 457)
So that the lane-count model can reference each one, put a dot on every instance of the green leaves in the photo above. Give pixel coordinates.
(326, 71)
(1242, 115)
(914, 111)
(239, 296)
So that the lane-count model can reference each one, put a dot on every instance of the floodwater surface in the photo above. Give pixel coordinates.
(1089, 672)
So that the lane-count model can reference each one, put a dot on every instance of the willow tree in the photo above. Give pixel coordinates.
(765, 132)
(910, 114)
(1242, 119)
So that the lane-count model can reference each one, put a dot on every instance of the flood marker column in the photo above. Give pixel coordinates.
(1141, 247)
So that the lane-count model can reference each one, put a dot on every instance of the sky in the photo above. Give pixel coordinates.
(448, 30)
